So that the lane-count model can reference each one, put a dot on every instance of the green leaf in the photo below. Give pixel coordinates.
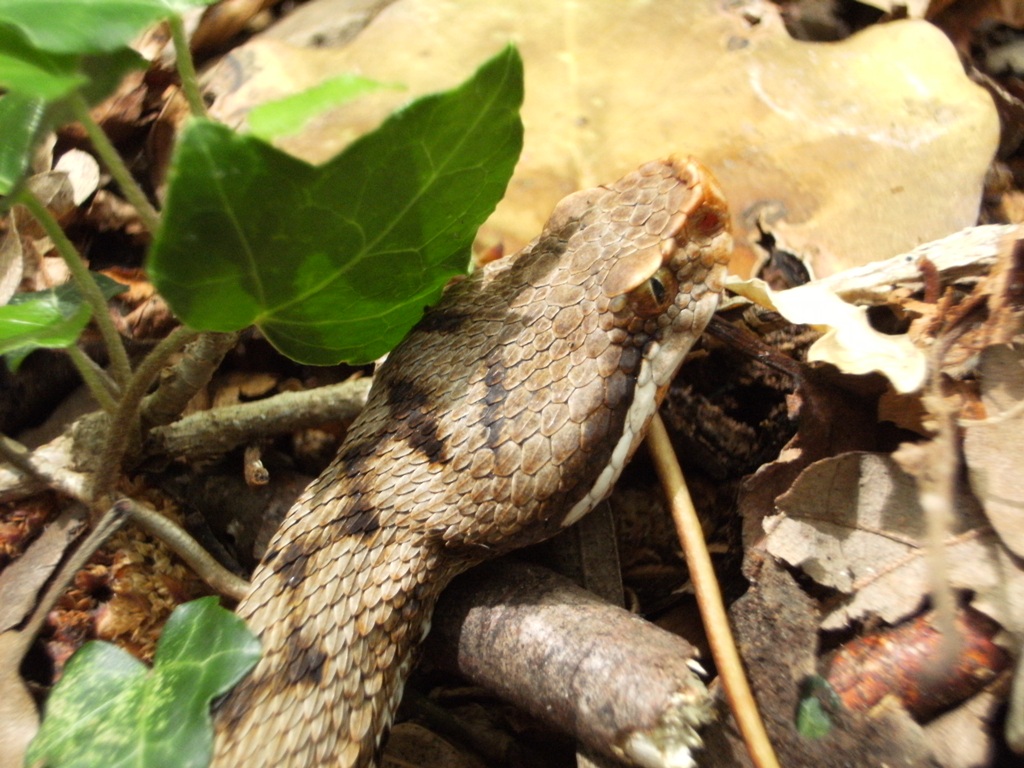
(87, 26)
(281, 117)
(49, 319)
(337, 262)
(107, 710)
(21, 124)
(34, 73)
(818, 701)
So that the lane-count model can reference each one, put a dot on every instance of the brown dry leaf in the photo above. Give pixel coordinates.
(963, 737)
(849, 342)
(12, 260)
(19, 720)
(83, 173)
(854, 523)
(858, 149)
(993, 450)
(21, 581)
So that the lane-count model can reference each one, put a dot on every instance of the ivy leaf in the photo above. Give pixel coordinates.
(34, 73)
(108, 710)
(21, 125)
(287, 115)
(87, 26)
(337, 262)
(50, 319)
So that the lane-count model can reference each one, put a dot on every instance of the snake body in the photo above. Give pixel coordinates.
(505, 415)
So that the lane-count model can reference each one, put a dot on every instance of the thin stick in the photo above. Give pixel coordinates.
(188, 549)
(709, 598)
(108, 524)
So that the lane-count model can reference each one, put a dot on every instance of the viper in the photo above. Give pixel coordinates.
(505, 415)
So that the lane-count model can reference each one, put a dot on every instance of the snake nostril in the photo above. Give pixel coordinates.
(706, 223)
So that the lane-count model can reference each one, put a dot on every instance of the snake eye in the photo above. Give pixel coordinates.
(655, 294)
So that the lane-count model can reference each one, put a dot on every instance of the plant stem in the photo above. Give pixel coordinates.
(112, 160)
(91, 292)
(186, 67)
(102, 388)
(189, 375)
(188, 549)
(122, 431)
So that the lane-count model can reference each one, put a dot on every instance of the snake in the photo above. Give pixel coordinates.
(505, 415)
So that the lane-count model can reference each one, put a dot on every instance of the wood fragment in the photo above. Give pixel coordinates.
(622, 686)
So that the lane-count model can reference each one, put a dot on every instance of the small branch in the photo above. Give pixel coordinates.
(188, 549)
(709, 598)
(90, 290)
(215, 432)
(189, 375)
(621, 685)
(186, 67)
(112, 160)
(21, 458)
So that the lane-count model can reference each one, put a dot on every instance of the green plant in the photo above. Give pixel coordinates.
(337, 264)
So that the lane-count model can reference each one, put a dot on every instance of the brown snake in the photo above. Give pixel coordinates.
(505, 415)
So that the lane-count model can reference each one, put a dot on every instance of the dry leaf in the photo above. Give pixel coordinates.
(854, 523)
(849, 341)
(83, 173)
(19, 719)
(859, 149)
(993, 449)
(21, 581)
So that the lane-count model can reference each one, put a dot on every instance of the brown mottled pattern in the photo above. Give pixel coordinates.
(488, 423)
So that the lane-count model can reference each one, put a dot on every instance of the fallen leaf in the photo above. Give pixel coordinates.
(850, 342)
(854, 523)
(993, 450)
(19, 720)
(612, 84)
(21, 581)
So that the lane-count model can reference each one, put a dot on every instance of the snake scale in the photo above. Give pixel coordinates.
(506, 414)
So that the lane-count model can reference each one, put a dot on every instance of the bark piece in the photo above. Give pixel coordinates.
(619, 684)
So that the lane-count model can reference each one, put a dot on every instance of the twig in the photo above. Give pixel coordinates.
(619, 684)
(189, 375)
(20, 457)
(90, 290)
(188, 549)
(709, 598)
(122, 429)
(101, 386)
(215, 432)
(112, 520)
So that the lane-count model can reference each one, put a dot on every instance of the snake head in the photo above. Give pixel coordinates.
(655, 244)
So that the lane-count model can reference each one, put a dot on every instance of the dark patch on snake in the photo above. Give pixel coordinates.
(496, 394)
(407, 402)
(303, 664)
(291, 564)
(443, 319)
(361, 518)
(354, 456)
